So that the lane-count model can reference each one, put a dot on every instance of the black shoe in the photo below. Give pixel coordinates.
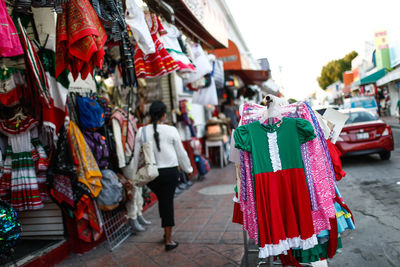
(171, 247)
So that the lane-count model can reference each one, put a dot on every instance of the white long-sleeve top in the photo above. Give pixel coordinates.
(172, 152)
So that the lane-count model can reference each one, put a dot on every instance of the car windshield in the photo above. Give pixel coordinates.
(361, 116)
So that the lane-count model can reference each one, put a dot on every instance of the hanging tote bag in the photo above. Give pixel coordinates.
(149, 171)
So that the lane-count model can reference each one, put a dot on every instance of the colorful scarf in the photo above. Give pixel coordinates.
(121, 117)
(80, 39)
(87, 169)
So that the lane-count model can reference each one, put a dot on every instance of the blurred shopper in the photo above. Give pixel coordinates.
(169, 154)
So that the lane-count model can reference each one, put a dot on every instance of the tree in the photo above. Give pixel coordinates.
(333, 71)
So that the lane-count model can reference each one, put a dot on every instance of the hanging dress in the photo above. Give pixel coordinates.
(19, 167)
(156, 64)
(10, 45)
(171, 43)
(282, 198)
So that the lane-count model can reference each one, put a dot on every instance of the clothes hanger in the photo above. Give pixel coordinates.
(19, 115)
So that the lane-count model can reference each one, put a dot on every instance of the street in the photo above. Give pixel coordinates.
(371, 188)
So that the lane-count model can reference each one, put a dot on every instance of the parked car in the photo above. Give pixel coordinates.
(365, 133)
(367, 102)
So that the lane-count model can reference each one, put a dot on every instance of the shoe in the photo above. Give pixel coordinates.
(182, 186)
(177, 191)
(171, 247)
(136, 226)
(143, 221)
(189, 183)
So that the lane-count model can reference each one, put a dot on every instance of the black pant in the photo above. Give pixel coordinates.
(164, 188)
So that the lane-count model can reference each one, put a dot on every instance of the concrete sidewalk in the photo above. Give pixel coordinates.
(207, 237)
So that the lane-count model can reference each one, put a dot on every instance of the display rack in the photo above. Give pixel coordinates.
(116, 226)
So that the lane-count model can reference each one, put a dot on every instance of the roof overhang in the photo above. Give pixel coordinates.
(390, 77)
(373, 77)
(197, 19)
(236, 64)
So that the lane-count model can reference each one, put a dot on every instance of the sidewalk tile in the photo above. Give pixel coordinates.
(184, 237)
(173, 259)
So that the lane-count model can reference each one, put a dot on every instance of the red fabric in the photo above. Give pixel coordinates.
(333, 238)
(158, 63)
(289, 260)
(80, 39)
(237, 213)
(283, 206)
(11, 97)
(336, 161)
(88, 224)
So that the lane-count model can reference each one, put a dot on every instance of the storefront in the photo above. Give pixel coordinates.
(111, 75)
(391, 81)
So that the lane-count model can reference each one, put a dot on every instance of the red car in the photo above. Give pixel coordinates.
(365, 133)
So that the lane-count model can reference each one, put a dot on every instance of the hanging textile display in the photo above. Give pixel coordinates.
(12, 83)
(19, 182)
(134, 17)
(158, 63)
(38, 91)
(173, 47)
(201, 61)
(307, 235)
(80, 39)
(87, 169)
(280, 183)
(10, 44)
(54, 116)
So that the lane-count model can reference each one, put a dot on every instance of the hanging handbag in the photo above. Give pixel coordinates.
(149, 171)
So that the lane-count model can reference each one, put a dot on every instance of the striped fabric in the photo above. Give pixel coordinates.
(36, 75)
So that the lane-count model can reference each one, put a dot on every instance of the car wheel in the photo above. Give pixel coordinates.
(385, 155)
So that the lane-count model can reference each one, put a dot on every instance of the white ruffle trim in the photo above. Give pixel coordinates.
(274, 151)
(285, 245)
(235, 199)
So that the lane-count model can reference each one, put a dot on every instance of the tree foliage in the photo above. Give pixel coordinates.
(332, 72)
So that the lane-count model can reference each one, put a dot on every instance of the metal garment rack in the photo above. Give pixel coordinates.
(247, 251)
(116, 226)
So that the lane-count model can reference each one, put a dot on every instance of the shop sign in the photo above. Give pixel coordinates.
(209, 17)
(228, 58)
(381, 40)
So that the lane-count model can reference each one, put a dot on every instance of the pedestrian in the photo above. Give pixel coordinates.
(169, 154)
(398, 108)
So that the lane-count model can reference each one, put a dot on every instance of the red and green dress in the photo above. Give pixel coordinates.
(282, 198)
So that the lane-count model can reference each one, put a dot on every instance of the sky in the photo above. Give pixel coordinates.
(300, 37)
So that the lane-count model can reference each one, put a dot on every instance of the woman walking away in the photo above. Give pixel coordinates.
(169, 153)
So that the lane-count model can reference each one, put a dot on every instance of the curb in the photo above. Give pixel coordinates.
(396, 126)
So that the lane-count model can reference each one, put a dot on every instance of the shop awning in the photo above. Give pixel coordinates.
(390, 77)
(197, 19)
(236, 63)
(372, 78)
(250, 76)
(355, 85)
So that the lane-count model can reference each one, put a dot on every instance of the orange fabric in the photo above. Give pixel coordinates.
(87, 169)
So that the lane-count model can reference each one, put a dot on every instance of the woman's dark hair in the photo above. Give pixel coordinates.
(157, 111)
